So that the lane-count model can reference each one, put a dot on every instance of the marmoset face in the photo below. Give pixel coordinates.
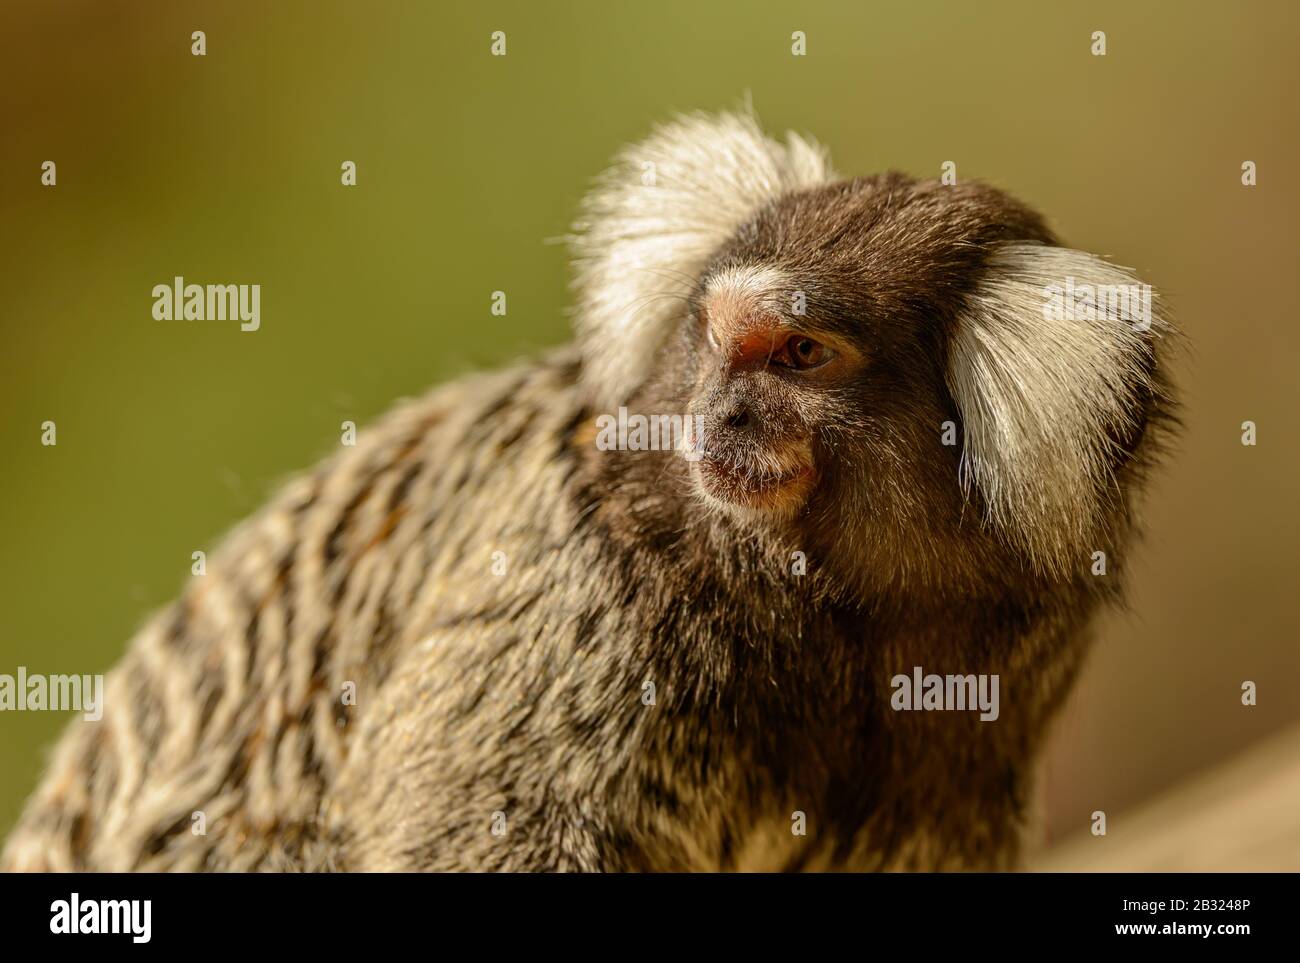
(868, 364)
(818, 334)
(770, 380)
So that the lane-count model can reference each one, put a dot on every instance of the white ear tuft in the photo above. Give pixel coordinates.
(1049, 364)
(648, 227)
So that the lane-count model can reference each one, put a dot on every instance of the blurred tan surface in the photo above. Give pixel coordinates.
(1243, 816)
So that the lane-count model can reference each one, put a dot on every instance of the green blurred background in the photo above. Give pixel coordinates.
(225, 169)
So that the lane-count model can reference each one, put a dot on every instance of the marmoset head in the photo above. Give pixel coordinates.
(877, 364)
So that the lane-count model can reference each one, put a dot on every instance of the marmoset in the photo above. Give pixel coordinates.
(479, 641)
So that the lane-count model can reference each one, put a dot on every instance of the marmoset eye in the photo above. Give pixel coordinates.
(806, 353)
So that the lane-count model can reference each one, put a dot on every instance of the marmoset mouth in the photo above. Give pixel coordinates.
(752, 487)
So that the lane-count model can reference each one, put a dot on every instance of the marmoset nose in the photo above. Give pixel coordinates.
(737, 417)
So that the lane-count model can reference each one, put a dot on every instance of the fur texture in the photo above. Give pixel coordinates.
(567, 658)
(1045, 400)
(653, 221)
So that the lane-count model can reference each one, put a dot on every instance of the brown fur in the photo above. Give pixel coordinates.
(521, 694)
